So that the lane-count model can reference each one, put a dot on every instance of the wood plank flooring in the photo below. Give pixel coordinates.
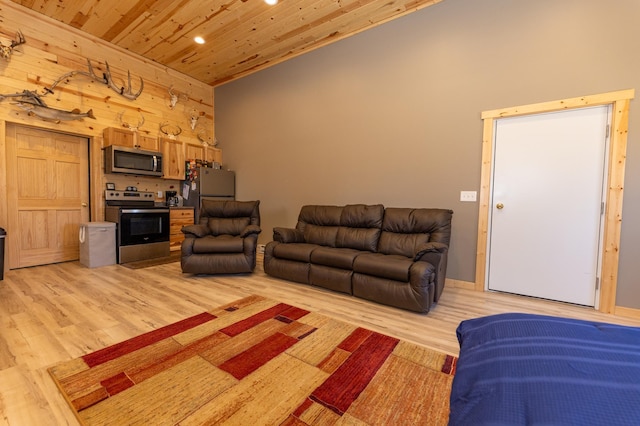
(59, 312)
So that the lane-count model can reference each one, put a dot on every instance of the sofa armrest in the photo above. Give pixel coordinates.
(431, 247)
(287, 235)
(437, 257)
(196, 230)
(249, 230)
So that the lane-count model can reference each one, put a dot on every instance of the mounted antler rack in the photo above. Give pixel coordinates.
(206, 139)
(175, 97)
(6, 51)
(170, 131)
(106, 78)
(130, 126)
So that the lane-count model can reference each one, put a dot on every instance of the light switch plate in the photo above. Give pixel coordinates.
(469, 196)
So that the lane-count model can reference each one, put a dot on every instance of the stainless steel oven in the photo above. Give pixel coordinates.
(142, 229)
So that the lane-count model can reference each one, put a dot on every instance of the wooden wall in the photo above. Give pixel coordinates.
(52, 50)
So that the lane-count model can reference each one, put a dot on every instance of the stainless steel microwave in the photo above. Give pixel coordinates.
(120, 159)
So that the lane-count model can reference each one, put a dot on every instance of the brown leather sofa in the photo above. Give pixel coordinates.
(393, 256)
(224, 240)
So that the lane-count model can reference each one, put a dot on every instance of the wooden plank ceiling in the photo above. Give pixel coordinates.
(241, 36)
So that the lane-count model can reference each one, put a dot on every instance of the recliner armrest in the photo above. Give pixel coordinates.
(431, 247)
(251, 229)
(196, 230)
(287, 235)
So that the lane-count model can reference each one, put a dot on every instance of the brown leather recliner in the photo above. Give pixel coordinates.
(224, 240)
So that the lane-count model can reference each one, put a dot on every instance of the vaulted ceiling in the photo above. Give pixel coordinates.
(241, 36)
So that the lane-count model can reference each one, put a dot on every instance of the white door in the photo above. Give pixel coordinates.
(547, 204)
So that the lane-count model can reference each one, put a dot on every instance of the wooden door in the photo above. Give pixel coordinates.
(547, 204)
(48, 195)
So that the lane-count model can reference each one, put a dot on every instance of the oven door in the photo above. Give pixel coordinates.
(143, 226)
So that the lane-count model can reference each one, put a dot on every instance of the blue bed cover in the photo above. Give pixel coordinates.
(523, 369)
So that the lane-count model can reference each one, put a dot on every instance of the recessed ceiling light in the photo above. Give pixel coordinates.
(271, 2)
(199, 40)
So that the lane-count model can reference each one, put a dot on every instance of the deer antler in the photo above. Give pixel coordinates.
(206, 139)
(129, 126)
(20, 40)
(124, 91)
(6, 51)
(93, 75)
(174, 98)
(194, 115)
(171, 135)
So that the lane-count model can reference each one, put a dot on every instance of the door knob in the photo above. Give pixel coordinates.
(499, 206)
(84, 204)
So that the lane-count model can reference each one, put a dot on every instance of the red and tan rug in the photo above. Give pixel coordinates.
(259, 362)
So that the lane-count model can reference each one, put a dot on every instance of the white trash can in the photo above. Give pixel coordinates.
(97, 244)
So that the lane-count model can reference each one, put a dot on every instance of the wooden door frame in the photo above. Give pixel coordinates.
(616, 157)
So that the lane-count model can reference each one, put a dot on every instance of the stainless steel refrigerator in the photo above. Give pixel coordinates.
(214, 184)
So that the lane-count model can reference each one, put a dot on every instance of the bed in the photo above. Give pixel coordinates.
(522, 369)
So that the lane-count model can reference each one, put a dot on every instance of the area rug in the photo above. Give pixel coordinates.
(173, 257)
(259, 362)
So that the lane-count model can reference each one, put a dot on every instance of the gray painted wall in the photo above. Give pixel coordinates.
(392, 115)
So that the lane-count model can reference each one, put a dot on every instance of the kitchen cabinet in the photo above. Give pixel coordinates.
(174, 154)
(128, 138)
(149, 143)
(193, 151)
(199, 151)
(213, 154)
(178, 217)
(172, 158)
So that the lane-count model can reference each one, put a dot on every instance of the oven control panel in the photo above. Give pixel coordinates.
(112, 194)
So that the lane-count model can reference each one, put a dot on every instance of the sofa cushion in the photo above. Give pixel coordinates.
(221, 244)
(300, 252)
(401, 244)
(357, 238)
(335, 257)
(321, 235)
(393, 267)
(362, 216)
(231, 226)
(319, 215)
(404, 230)
(230, 208)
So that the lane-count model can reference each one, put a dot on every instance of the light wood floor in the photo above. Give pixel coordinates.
(54, 313)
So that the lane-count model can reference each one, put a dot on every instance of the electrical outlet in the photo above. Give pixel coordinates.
(468, 196)
(261, 248)
(159, 194)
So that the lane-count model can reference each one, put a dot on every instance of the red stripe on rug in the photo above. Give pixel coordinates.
(90, 399)
(260, 317)
(353, 342)
(303, 407)
(117, 383)
(294, 313)
(449, 366)
(338, 392)
(119, 349)
(256, 356)
(157, 365)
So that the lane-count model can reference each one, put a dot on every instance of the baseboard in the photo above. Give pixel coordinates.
(627, 312)
(448, 282)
